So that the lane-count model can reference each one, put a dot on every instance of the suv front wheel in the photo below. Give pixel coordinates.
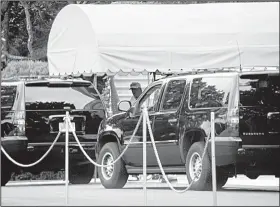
(114, 176)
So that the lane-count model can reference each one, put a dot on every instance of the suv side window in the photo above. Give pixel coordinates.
(150, 99)
(210, 92)
(259, 90)
(173, 94)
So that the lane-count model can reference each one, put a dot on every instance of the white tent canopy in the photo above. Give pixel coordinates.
(108, 38)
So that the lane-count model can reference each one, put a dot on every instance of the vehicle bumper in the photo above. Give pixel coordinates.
(260, 154)
(262, 159)
(57, 154)
(226, 149)
(14, 145)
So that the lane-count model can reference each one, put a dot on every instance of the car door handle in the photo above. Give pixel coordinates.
(172, 120)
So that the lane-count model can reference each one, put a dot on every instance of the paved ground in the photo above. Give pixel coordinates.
(237, 192)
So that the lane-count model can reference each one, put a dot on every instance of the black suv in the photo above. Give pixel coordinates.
(247, 132)
(29, 125)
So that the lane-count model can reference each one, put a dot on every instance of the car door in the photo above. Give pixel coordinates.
(134, 154)
(259, 110)
(166, 122)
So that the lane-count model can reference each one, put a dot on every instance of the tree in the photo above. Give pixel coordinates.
(28, 27)
(5, 26)
(4, 32)
(205, 95)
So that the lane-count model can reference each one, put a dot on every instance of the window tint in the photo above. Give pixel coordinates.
(257, 90)
(59, 97)
(43, 101)
(210, 92)
(150, 99)
(173, 94)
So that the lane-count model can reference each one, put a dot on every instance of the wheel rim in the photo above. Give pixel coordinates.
(195, 166)
(107, 172)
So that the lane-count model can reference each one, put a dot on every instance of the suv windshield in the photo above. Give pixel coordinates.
(43, 103)
(260, 90)
(57, 97)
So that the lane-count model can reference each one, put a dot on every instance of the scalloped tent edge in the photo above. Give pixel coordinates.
(121, 38)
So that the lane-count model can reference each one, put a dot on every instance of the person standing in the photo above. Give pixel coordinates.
(136, 91)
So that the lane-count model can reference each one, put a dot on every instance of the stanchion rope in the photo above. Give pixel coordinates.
(146, 117)
(116, 160)
(158, 160)
(34, 163)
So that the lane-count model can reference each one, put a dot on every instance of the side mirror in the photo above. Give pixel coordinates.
(124, 105)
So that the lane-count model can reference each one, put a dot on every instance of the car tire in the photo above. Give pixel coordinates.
(192, 163)
(115, 176)
(81, 174)
(205, 180)
(5, 176)
(221, 179)
(252, 176)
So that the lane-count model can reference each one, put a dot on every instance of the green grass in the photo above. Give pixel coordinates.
(25, 68)
(46, 175)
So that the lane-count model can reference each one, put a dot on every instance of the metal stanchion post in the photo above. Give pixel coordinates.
(95, 173)
(214, 183)
(144, 154)
(67, 121)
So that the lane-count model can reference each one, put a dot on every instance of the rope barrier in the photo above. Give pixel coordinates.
(66, 172)
(116, 160)
(73, 132)
(34, 163)
(213, 160)
(146, 116)
(145, 157)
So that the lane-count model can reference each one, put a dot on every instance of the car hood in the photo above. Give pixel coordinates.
(113, 120)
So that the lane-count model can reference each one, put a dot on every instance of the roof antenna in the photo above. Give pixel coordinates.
(239, 56)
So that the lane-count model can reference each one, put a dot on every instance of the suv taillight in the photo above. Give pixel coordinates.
(233, 118)
(19, 124)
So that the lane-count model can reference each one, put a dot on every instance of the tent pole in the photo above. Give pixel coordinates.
(95, 81)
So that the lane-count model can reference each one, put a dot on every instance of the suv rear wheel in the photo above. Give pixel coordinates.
(81, 174)
(114, 176)
(202, 170)
(196, 167)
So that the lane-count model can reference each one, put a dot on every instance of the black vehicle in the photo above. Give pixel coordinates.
(29, 125)
(247, 133)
